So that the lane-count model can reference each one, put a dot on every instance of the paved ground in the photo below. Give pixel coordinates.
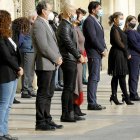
(114, 123)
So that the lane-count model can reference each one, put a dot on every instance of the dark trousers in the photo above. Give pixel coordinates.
(114, 85)
(69, 75)
(46, 85)
(134, 69)
(94, 65)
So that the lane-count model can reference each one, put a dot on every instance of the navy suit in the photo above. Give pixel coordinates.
(94, 45)
(134, 63)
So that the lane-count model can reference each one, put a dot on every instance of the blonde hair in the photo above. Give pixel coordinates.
(68, 8)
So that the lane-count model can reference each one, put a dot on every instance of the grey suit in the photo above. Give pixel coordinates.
(47, 54)
(45, 44)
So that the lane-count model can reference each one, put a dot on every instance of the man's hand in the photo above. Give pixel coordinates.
(20, 72)
(59, 62)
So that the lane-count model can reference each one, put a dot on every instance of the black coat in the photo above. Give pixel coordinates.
(67, 41)
(10, 61)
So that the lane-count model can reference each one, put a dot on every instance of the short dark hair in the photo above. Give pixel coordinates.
(41, 5)
(139, 18)
(93, 5)
(81, 11)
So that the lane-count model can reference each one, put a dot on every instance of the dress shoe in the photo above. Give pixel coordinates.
(96, 107)
(78, 111)
(55, 125)
(58, 88)
(16, 101)
(25, 95)
(32, 94)
(9, 137)
(67, 117)
(45, 127)
(78, 118)
(61, 83)
(2, 138)
(85, 83)
(135, 98)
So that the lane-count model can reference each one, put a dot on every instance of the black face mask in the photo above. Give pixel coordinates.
(132, 25)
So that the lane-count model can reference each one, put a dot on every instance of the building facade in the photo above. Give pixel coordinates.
(19, 8)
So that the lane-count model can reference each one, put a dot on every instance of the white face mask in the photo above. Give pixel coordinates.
(51, 16)
(121, 22)
(56, 20)
(100, 13)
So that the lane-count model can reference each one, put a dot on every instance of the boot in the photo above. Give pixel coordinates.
(126, 100)
(115, 100)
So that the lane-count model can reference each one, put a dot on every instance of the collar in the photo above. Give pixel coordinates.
(44, 19)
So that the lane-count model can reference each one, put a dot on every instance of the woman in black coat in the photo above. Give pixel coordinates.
(118, 59)
(10, 70)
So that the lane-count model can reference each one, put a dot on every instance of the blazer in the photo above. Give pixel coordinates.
(94, 37)
(45, 44)
(133, 38)
(10, 61)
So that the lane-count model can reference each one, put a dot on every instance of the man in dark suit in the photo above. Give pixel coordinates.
(96, 49)
(47, 58)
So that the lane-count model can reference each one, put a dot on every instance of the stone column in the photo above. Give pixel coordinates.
(28, 6)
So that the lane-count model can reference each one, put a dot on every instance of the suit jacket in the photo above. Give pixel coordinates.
(94, 37)
(133, 38)
(45, 44)
(10, 61)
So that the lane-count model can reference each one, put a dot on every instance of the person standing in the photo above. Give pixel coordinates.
(47, 59)
(21, 34)
(118, 58)
(134, 63)
(138, 28)
(10, 70)
(71, 55)
(96, 49)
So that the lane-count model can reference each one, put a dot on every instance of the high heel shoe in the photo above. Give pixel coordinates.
(126, 100)
(115, 100)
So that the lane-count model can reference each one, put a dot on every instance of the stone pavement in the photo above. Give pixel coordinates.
(114, 123)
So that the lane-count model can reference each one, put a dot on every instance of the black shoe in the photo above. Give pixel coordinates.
(45, 127)
(67, 117)
(58, 88)
(126, 100)
(135, 98)
(96, 107)
(16, 101)
(2, 138)
(25, 95)
(33, 94)
(78, 111)
(115, 100)
(85, 83)
(56, 125)
(61, 83)
(78, 118)
(9, 137)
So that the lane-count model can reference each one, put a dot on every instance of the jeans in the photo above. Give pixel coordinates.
(7, 94)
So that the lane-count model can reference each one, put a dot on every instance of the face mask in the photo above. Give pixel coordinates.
(121, 22)
(56, 20)
(132, 25)
(73, 18)
(100, 13)
(51, 16)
